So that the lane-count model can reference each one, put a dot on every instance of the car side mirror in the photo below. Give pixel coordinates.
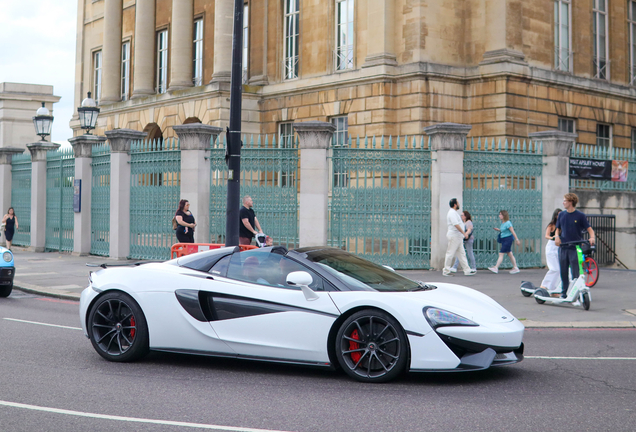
(302, 279)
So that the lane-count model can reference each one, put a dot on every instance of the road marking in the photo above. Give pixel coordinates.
(133, 419)
(44, 324)
(578, 358)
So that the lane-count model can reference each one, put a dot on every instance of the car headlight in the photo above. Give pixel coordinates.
(440, 318)
(7, 256)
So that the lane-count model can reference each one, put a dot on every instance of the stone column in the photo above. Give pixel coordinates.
(119, 140)
(111, 52)
(82, 150)
(381, 34)
(555, 179)
(181, 41)
(194, 140)
(447, 181)
(6, 154)
(144, 67)
(223, 21)
(38, 193)
(314, 182)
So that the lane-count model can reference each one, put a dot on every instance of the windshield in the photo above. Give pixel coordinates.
(359, 274)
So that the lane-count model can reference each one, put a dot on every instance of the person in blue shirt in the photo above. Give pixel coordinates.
(507, 233)
(570, 225)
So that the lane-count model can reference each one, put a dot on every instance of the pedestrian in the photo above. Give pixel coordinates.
(551, 279)
(455, 236)
(569, 226)
(185, 222)
(506, 234)
(10, 222)
(468, 243)
(249, 223)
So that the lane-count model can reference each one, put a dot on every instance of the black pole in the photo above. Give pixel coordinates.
(234, 132)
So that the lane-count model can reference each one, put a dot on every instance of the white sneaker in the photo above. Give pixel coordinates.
(470, 273)
(453, 270)
(495, 270)
(514, 270)
(446, 274)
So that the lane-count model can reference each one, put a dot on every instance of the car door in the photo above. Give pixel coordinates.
(259, 316)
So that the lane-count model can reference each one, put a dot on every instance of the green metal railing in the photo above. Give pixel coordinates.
(155, 186)
(60, 173)
(21, 197)
(583, 151)
(100, 200)
(381, 200)
(502, 176)
(269, 174)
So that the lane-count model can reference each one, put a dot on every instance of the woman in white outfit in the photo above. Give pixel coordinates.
(552, 277)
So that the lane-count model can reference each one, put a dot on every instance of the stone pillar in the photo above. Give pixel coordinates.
(447, 181)
(555, 179)
(111, 52)
(119, 140)
(223, 21)
(181, 41)
(82, 150)
(143, 79)
(314, 182)
(6, 154)
(194, 139)
(38, 193)
(381, 34)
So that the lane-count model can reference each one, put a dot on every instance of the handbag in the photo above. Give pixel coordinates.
(174, 223)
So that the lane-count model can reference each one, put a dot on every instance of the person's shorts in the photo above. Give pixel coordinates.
(506, 244)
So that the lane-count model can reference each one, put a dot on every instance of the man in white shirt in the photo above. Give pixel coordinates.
(455, 236)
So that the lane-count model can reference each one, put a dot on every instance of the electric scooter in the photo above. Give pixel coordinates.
(578, 292)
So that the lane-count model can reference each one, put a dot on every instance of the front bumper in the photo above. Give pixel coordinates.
(6, 275)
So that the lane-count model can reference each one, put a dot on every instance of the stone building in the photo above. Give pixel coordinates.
(373, 67)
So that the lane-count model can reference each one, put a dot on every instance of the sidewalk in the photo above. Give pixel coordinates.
(613, 298)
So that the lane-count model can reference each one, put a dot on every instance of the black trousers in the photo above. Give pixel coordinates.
(568, 259)
(185, 237)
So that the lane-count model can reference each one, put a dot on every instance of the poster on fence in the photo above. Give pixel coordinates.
(619, 170)
(590, 169)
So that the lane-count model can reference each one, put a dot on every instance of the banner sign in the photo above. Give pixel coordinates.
(77, 195)
(594, 169)
(591, 169)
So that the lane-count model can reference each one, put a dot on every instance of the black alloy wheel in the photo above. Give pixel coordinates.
(117, 328)
(5, 291)
(371, 346)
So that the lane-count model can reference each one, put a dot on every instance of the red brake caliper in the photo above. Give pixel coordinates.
(355, 356)
(132, 324)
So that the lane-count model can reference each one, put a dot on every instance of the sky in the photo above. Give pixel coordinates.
(37, 46)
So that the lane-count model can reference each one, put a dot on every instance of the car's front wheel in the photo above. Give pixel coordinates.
(371, 346)
(117, 328)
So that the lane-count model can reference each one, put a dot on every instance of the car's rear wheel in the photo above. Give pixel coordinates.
(371, 346)
(117, 328)
(5, 291)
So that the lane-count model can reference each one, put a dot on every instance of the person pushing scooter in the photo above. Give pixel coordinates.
(570, 224)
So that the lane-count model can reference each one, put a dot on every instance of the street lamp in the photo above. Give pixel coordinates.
(88, 113)
(43, 122)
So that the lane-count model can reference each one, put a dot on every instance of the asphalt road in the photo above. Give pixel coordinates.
(46, 368)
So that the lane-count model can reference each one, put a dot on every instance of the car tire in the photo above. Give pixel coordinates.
(117, 328)
(5, 291)
(371, 346)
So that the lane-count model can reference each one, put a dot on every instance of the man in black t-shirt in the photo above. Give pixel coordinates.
(249, 223)
(570, 224)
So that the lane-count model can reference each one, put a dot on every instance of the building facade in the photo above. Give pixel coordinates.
(372, 67)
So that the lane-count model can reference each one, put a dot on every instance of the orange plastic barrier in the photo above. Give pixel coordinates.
(180, 249)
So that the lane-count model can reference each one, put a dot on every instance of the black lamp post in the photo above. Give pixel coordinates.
(43, 122)
(88, 113)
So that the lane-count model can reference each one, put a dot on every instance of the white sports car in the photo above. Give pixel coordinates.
(314, 306)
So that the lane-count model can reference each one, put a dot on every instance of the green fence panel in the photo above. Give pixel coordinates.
(100, 200)
(269, 174)
(622, 156)
(502, 176)
(60, 173)
(155, 188)
(381, 200)
(21, 197)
